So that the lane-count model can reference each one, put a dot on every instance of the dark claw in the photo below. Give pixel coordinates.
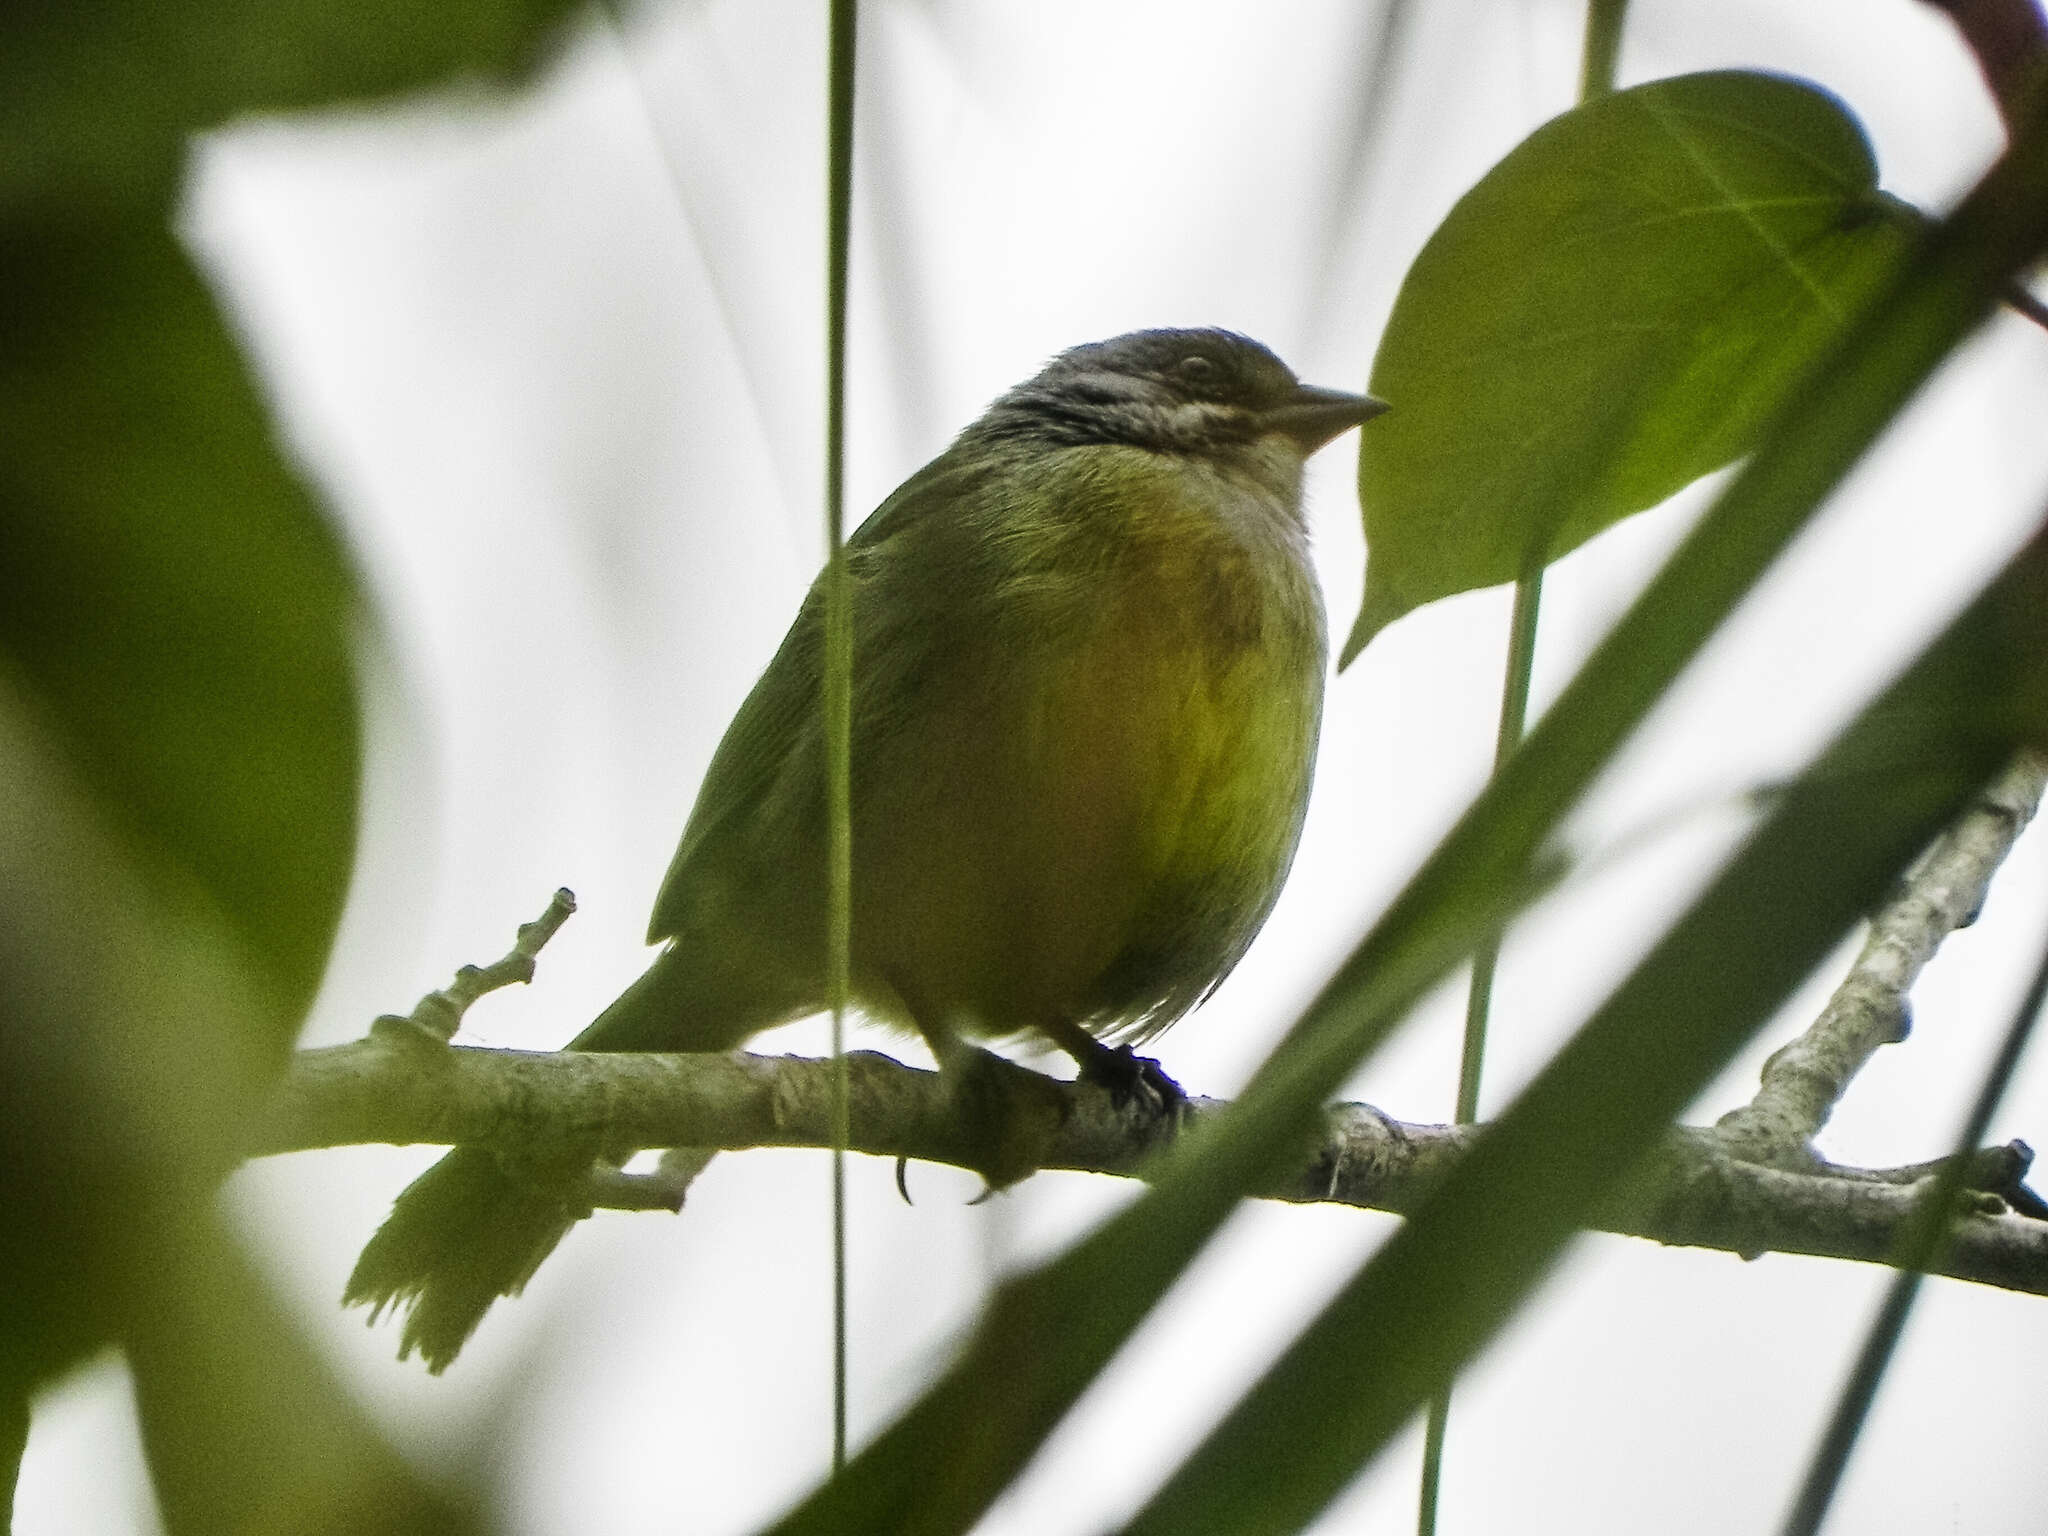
(903, 1180)
(1130, 1077)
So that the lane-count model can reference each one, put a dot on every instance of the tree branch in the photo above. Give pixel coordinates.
(1802, 1083)
(1695, 1194)
(1749, 1185)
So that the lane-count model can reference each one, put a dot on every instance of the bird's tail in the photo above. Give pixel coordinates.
(464, 1233)
(475, 1227)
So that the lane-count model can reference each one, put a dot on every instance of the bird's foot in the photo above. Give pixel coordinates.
(1009, 1114)
(1134, 1079)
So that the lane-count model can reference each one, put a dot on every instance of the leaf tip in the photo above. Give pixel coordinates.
(1375, 613)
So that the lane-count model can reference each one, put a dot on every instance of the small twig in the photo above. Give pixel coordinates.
(2000, 1171)
(665, 1189)
(2010, 41)
(1804, 1080)
(2021, 300)
(438, 1015)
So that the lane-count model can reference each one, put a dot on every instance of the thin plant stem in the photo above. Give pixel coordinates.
(1596, 78)
(838, 699)
(1432, 1461)
(1919, 1247)
(1514, 715)
(1602, 47)
(1514, 718)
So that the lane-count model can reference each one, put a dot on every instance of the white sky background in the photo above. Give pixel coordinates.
(557, 363)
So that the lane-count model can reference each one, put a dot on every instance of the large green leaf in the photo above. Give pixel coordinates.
(1610, 313)
(96, 101)
(13, 1440)
(178, 728)
(176, 621)
(168, 593)
(247, 1432)
(1048, 1333)
(133, 1034)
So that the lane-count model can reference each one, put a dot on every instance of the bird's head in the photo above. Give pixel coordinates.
(1206, 393)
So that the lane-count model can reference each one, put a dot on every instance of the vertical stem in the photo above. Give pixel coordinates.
(1514, 717)
(1922, 1240)
(1514, 713)
(1596, 78)
(1432, 1462)
(838, 699)
(1602, 47)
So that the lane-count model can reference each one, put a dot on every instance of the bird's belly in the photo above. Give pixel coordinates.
(1101, 842)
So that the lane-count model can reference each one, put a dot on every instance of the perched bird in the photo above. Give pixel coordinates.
(1088, 658)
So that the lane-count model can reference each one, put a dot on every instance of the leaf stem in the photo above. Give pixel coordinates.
(838, 699)
(1602, 47)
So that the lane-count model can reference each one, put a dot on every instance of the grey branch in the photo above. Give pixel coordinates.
(1803, 1082)
(1695, 1194)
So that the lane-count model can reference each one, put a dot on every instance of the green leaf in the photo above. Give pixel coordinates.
(1612, 312)
(1046, 1334)
(13, 1439)
(1455, 1273)
(169, 595)
(97, 101)
(133, 1034)
(178, 736)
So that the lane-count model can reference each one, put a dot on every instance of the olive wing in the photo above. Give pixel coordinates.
(777, 729)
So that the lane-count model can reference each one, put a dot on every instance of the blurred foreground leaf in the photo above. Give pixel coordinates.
(180, 780)
(1610, 313)
(1047, 1334)
(169, 596)
(178, 736)
(97, 101)
(247, 1432)
(1458, 1269)
(134, 1032)
(13, 1438)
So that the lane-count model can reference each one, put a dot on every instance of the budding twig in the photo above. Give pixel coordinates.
(1802, 1083)
(436, 1017)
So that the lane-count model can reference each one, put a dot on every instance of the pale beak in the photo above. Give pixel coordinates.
(1314, 416)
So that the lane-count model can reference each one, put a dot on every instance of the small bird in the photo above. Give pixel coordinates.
(1088, 661)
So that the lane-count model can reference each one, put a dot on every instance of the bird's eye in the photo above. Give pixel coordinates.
(1197, 369)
